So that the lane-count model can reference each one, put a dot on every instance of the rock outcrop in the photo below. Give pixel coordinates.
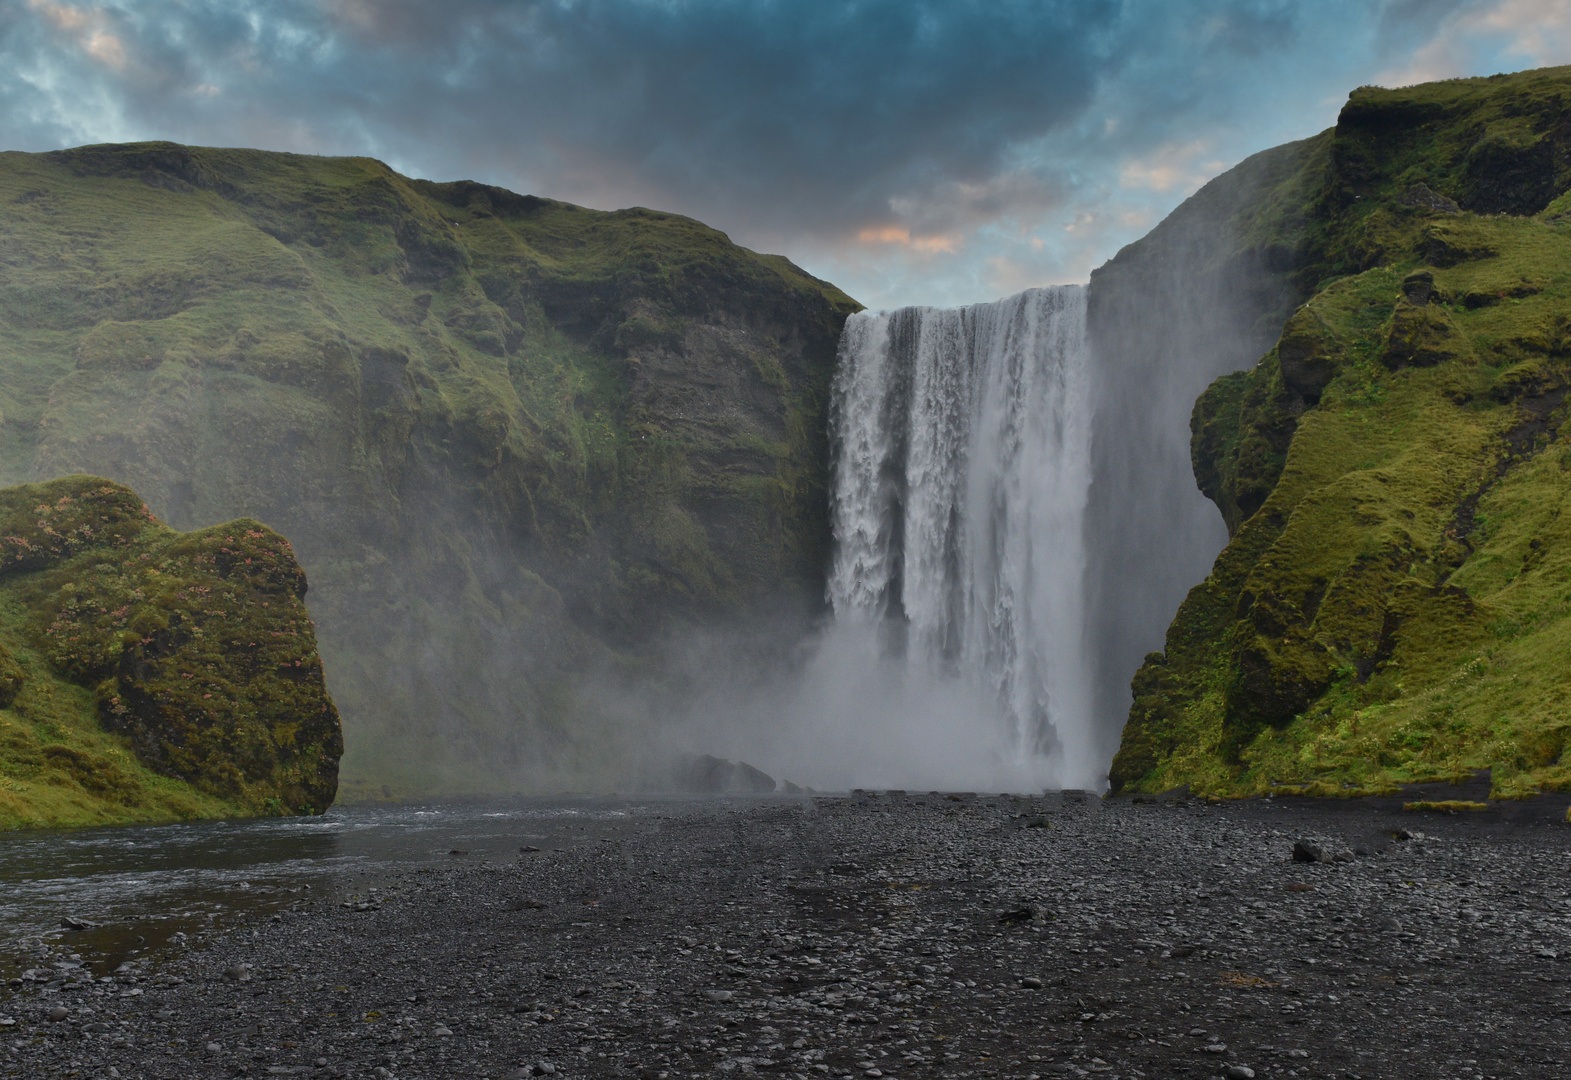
(1391, 606)
(147, 673)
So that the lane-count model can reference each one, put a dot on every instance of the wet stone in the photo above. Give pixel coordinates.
(857, 937)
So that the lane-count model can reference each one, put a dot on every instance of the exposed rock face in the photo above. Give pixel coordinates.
(513, 440)
(1390, 606)
(194, 646)
(709, 775)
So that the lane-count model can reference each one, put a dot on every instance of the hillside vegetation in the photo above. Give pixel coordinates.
(1394, 604)
(147, 674)
(512, 440)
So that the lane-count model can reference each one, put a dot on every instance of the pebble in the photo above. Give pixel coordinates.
(838, 938)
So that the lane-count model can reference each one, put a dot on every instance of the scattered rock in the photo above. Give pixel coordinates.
(1309, 851)
(732, 942)
(709, 775)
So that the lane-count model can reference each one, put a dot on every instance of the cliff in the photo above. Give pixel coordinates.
(1203, 294)
(1391, 605)
(148, 674)
(513, 441)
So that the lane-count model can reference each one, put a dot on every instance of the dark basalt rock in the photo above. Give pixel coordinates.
(709, 775)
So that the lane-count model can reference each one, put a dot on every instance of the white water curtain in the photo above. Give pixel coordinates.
(962, 450)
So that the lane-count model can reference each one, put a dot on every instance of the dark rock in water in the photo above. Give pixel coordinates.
(709, 775)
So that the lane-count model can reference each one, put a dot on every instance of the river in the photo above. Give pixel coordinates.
(140, 887)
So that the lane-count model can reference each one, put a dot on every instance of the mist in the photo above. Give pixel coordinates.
(831, 711)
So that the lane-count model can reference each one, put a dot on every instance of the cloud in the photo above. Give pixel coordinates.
(1533, 33)
(1171, 167)
(901, 143)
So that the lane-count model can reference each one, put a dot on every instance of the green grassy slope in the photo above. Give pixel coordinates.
(147, 674)
(510, 438)
(1395, 601)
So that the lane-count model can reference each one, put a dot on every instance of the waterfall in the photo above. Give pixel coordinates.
(962, 462)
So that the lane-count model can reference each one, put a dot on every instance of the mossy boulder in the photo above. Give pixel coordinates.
(1392, 605)
(193, 650)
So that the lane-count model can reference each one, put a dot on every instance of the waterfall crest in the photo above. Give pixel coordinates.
(962, 462)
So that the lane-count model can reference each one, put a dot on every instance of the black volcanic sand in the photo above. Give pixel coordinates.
(881, 936)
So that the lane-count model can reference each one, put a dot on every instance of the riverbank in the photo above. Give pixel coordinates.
(880, 936)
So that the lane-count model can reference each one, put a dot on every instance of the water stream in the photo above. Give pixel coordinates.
(134, 888)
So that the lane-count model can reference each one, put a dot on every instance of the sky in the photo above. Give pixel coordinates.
(912, 152)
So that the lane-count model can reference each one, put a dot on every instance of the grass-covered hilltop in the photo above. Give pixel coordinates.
(148, 674)
(1395, 601)
(512, 440)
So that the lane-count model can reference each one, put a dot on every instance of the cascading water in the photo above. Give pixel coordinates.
(962, 442)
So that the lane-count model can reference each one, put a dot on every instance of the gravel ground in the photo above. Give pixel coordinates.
(885, 935)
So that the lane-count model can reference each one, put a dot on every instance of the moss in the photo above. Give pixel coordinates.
(1394, 595)
(151, 673)
(1445, 806)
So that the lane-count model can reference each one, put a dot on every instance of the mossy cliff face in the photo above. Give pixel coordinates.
(148, 674)
(512, 440)
(1394, 603)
